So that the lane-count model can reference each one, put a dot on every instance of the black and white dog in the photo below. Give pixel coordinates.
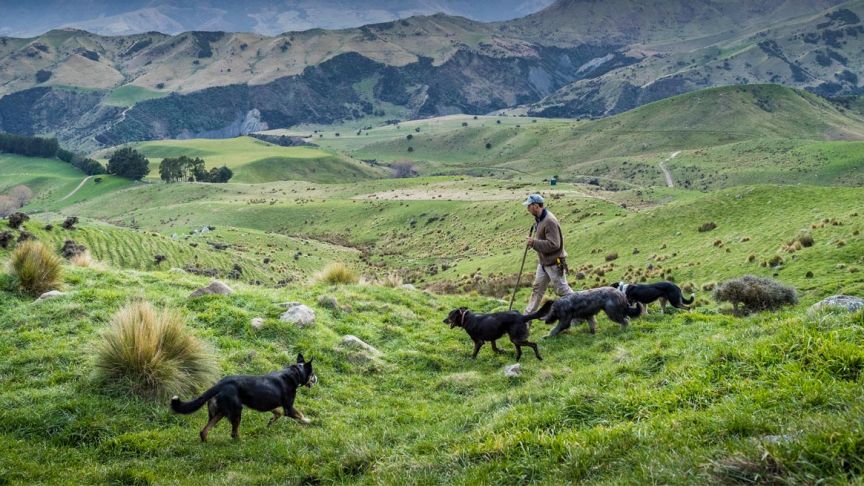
(666, 292)
(585, 305)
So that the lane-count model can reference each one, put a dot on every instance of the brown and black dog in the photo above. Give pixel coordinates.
(491, 327)
(267, 393)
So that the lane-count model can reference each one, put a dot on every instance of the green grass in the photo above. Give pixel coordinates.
(706, 118)
(254, 161)
(129, 95)
(681, 395)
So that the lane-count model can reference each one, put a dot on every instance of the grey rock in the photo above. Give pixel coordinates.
(839, 302)
(512, 371)
(357, 344)
(215, 287)
(51, 294)
(257, 322)
(299, 315)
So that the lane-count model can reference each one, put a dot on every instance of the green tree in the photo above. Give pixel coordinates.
(129, 163)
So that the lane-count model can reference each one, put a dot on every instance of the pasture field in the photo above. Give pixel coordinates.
(688, 398)
(255, 161)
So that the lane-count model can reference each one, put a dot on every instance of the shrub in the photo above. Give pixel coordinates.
(150, 353)
(17, 219)
(70, 222)
(84, 260)
(71, 249)
(36, 268)
(5, 239)
(755, 293)
(707, 227)
(338, 273)
(611, 256)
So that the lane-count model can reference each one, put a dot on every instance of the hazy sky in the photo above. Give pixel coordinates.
(30, 18)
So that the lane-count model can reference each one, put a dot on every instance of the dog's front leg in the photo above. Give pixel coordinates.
(477, 345)
(562, 325)
(298, 416)
(276, 415)
(592, 325)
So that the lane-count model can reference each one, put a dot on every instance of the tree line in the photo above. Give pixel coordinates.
(48, 148)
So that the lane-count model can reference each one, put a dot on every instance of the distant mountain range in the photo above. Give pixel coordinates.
(266, 17)
(575, 58)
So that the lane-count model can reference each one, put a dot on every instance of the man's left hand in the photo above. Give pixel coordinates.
(529, 242)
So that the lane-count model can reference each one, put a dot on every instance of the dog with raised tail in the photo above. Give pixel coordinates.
(491, 327)
(267, 393)
(585, 305)
(665, 292)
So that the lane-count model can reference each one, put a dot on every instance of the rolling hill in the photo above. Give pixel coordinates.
(573, 59)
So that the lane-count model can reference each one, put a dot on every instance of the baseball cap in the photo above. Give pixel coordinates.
(533, 199)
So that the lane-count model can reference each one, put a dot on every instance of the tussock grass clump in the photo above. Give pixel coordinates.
(611, 256)
(150, 353)
(35, 267)
(806, 239)
(392, 280)
(755, 293)
(337, 273)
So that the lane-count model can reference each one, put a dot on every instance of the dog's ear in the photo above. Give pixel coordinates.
(300, 358)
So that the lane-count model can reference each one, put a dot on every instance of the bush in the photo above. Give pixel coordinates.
(5, 238)
(71, 249)
(806, 240)
(150, 353)
(35, 267)
(755, 293)
(611, 256)
(17, 219)
(338, 273)
(70, 222)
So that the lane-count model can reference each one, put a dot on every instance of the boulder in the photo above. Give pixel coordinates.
(257, 322)
(839, 302)
(512, 371)
(299, 315)
(51, 294)
(408, 287)
(360, 349)
(215, 287)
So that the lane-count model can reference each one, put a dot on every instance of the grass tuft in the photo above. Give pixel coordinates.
(150, 353)
(36, 267)
(337, 273)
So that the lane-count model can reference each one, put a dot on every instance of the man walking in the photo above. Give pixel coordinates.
(548, 242)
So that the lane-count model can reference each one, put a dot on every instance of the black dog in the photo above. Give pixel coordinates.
(490, 327)
(265, 393)
(646, 294)
(585, 305)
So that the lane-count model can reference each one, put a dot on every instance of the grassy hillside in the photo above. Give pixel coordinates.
(255, 161)
(688, 399)
(697, 120)
(130, 94)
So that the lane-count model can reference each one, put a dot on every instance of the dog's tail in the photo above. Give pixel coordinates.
(542, 312)
(188, 407)
(686, 302)
(635, 311)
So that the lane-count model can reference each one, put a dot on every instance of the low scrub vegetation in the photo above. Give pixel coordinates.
(150, 353)
(755, 294)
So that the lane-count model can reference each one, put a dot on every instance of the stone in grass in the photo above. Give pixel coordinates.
(51, 294)
(839, 302)
(215, 287)
(512, 371)
(298, 314)
(359, 351)
(257, 322)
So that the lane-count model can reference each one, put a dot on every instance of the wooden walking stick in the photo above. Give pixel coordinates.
(521, 267)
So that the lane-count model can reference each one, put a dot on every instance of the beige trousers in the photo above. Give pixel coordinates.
(546, 275)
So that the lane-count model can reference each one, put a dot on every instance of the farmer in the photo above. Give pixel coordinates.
(548, 242)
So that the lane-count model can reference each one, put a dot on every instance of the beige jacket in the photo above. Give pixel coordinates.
(548, 239)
